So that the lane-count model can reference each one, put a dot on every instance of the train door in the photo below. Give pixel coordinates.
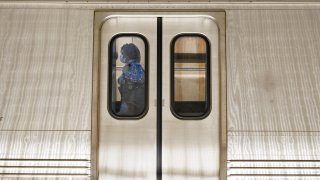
(158, 98)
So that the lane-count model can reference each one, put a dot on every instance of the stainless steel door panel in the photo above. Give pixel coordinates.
(127, 148)
(191, 148)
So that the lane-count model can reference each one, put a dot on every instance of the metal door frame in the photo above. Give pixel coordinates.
(219, 17)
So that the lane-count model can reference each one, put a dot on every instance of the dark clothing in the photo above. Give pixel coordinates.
(132, 89)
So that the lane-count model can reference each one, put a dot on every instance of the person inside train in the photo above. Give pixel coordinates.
(131, 82)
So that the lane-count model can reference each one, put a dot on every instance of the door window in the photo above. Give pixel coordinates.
(190, 87)
(128, 76)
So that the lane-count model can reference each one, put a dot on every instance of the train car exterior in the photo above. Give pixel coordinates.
(159, 89)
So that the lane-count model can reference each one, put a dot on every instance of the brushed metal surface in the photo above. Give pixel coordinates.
(273, 169)
(191, 149)
(273, 93)
(274, 146)
(45, 93)
(273, 70)
(37, 168)
(190, 6)
(45, 69)
(45, 144)
(54, 163)
(175, 1)
(38, 154)
(127, 149)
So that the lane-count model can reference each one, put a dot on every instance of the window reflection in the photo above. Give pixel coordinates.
(190, 93)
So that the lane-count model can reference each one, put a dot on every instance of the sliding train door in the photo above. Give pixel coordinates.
(128, 87)
(190, 115)
(158, 98)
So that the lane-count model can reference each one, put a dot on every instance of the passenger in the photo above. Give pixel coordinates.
(131, 81)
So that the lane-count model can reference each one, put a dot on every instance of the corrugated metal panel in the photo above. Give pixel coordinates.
(21, 168)
(250, 169)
